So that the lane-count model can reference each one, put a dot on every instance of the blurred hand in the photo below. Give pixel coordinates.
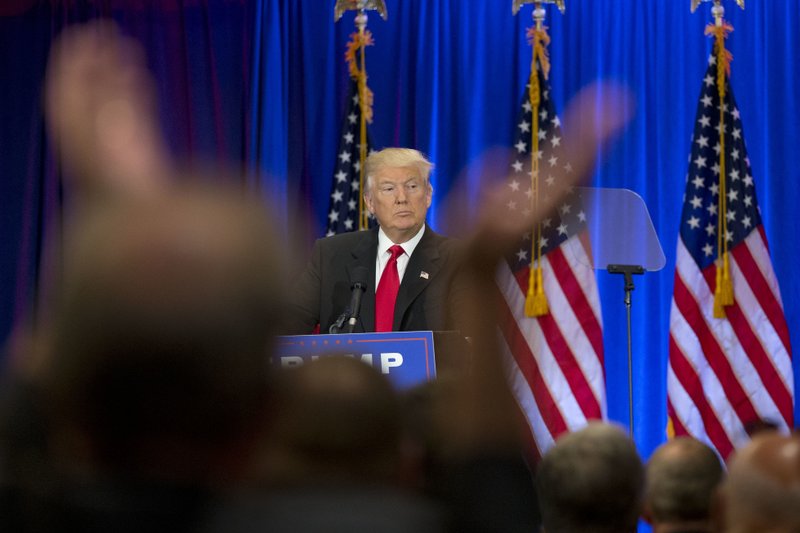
(101, 112)
(482, 415)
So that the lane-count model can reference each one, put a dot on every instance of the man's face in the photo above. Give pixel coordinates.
(399, 198)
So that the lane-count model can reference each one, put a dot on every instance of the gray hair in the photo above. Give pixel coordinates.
(396, 158)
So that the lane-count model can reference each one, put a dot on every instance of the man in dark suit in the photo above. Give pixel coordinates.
(398, 192)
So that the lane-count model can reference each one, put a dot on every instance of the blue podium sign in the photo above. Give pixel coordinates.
(406, 357)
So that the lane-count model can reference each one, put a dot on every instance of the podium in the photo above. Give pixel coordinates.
(407, 358)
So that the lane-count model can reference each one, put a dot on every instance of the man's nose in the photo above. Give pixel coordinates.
(401, 197)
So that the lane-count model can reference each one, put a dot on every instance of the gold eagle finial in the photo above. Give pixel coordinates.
(696, 3)
(357, 5)
(519, 3)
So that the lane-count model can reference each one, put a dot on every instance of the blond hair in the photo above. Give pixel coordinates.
(396, 158)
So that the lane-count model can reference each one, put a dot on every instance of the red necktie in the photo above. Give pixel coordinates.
(386, 293)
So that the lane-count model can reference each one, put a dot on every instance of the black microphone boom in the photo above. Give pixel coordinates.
(359, 286)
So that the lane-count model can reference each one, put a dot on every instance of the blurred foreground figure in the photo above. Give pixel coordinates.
(155, 357)
(591, 481)
(153, 369)
(762, 490)
(331, 459)
(682, 477)
(337, 421)
(151, 358)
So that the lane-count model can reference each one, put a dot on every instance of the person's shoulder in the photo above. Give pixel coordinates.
(443, 242)
(343, 240)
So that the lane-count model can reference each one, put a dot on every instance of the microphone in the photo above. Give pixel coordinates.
(336, 327)
(359, 286)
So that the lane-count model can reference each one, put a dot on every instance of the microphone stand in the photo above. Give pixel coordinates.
(336, 327)
(628, 271)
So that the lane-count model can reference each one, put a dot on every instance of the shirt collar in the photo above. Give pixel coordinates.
(384, 242)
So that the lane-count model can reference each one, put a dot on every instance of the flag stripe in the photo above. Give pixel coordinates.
(761, 279)
(574, 369)
(769, 394)
(686, 340)
(529, 365)
(584, 311)
(754, 347)
(537, 432)
(678, 428)
(567, 329)
(710, 346)
(694, 388)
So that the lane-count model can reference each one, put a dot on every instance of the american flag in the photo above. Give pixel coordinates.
(725, 373)
(345, 190)
(554, 361)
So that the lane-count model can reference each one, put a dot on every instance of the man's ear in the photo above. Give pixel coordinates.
(368, 202)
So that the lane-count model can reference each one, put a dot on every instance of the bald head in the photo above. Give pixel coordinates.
(681, 477)
(762, 491)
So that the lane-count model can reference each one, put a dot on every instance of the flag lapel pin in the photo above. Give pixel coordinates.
(424, 275)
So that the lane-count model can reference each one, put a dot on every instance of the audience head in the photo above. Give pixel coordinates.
(155, 353)
(336, 419)
(591, 481)
(762, 489)
(681, 478)
(398, 191)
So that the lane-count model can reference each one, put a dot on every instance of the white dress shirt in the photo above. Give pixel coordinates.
(384, 243)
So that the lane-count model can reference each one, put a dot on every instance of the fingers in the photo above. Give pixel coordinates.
(591, 121)
(101, 113)
(481, 413)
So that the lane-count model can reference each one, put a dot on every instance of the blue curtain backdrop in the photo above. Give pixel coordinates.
(263, 82)
(200, 54)
(448, 75)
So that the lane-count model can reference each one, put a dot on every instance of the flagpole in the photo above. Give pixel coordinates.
(536, 299)
(358, 70)
(361, 24)
(723, 290)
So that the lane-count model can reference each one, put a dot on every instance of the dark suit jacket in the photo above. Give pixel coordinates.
(322, 292)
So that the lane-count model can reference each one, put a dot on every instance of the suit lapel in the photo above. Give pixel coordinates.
(422, 267)
(364, 255)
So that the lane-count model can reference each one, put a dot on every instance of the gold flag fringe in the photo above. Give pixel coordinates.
(358, 71)
(359, 42)
(723, 291)
(536, 299)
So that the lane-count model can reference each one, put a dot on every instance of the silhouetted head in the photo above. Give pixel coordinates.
(156, 348)
(336, 419)
(591, 481)
(762, 490)
(682, 476)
